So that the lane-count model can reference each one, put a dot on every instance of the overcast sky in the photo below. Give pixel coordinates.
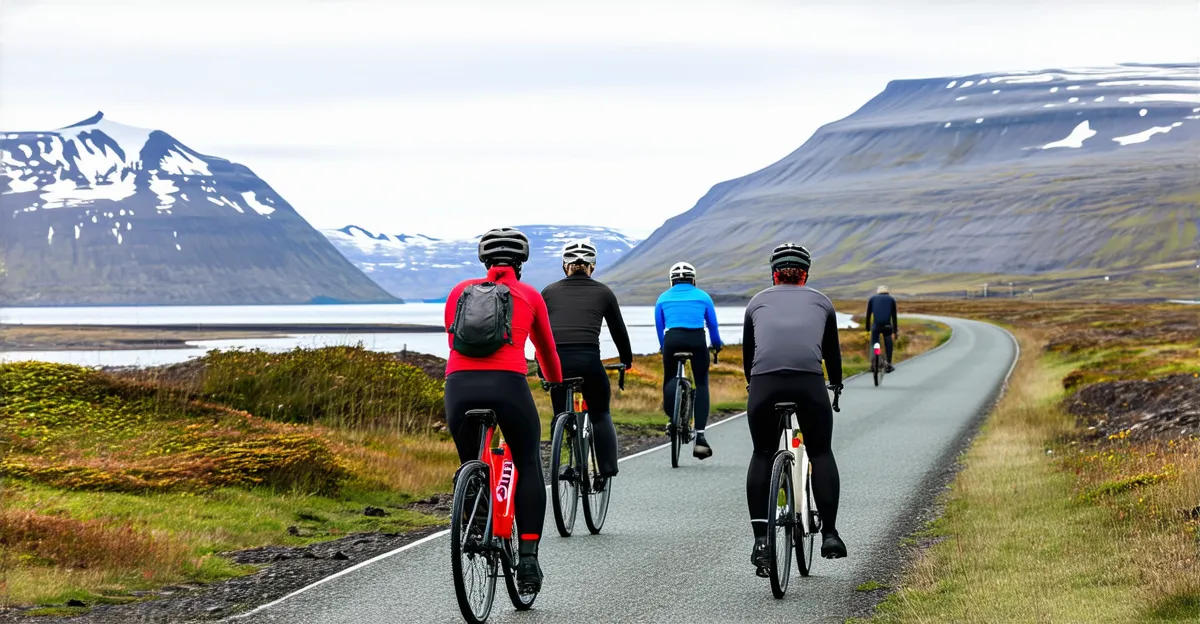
(447, 118)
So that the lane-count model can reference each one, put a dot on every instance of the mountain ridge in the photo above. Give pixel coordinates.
(101, 213)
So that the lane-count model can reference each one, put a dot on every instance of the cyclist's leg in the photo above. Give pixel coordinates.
(460, 395)
(598, 394)
(671, 344)
(700, 376)
(887, 343)
(876, 331)
(764, 433)
(816, 423)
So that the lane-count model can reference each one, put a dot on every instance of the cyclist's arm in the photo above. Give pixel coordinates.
(895, 319)
(617, 329)
(660, 322)
(451, 308)
(710, 319)
(867, 320)
(831, 350)
(543, 340)
(748, 345)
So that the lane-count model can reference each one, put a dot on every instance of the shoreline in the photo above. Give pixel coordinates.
(24, 338)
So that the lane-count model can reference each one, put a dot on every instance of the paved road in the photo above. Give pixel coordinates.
(677, 544)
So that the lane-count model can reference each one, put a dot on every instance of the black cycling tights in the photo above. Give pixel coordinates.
(508, 395)
(584, 361)
(808, 392)
(886, 332)
(690, 341)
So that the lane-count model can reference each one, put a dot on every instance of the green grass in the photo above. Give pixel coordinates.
(870, 586)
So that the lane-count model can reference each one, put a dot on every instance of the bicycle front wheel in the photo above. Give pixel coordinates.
(595, 504)
(564, 473)
(472, 561)
(781, 523)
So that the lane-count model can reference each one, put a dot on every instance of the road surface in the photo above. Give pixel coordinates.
(676, 546)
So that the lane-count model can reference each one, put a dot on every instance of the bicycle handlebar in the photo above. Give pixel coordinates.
(837, 395)
(716, 354)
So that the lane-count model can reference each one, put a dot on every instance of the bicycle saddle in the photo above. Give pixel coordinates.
(785, 407)
(572, 381)
(683, 354)
(486, 416)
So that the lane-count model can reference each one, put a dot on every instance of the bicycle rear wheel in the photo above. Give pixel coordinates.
(472, 561)
(675, 429)
(521, 602)
(595, 504)
(564, 473)
(781, 523)
(806, 543)
(689, 409)
(876, 369)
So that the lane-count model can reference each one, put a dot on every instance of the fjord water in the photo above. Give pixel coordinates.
(639, 319)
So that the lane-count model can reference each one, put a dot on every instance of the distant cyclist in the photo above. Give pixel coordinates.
(680, 316)
(789, 330)
(496, 381)
(882, 320)
(578, 305)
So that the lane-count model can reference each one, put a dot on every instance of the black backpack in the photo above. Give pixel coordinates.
(482, 320)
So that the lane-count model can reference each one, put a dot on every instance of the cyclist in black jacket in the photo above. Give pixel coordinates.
(577, 305)
(882, 321)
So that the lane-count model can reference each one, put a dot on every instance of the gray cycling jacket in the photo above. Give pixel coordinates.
(791, 329)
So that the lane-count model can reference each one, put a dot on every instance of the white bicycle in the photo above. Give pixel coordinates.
(792, 523)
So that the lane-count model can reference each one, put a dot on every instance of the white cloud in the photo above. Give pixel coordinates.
(399, 115)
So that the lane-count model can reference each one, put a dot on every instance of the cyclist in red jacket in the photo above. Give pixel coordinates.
(498, 382)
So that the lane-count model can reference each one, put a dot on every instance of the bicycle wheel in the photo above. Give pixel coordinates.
(595, 504)
(806, 543)
(876, 369)
(781, 523)
(522, 602)
(689, 409)
(472, 561)
(564, 473)
(675, 429)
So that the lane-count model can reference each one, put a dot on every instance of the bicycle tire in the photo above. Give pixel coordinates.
(565, 488)
(521, 602)
(781, 523)
(806, 543)
(472, 489)
(675, 429)
(689, 410)
(595, 504)
(876, 370)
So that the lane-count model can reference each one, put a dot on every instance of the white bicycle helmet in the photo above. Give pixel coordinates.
(579, 250)
(683, 271)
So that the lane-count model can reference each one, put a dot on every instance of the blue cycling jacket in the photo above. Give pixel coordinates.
(687, 307)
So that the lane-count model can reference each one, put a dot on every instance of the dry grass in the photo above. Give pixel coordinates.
(1040, 528)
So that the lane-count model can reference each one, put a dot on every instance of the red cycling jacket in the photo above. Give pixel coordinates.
(530, 320)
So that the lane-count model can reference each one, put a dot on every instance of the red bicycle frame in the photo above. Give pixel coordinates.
(503, 476)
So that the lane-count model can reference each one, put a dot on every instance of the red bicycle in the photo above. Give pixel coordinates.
(483, 527)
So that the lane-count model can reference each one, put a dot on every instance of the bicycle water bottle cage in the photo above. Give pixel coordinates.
(683, 355)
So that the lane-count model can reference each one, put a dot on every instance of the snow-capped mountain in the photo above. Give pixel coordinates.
(1054, 175)
(100, 212)
(421, 267)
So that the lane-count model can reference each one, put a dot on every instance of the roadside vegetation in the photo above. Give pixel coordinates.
(1080, 499)
(120, 481)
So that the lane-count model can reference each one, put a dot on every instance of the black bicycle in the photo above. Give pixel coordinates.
(574, 467)
(878, 358)
(480, 542)
(793, 521)
(683, 414)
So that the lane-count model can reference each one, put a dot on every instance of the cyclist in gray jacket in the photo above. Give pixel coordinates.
(789, 330)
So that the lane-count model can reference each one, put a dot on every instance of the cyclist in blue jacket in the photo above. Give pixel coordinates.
(680, 316)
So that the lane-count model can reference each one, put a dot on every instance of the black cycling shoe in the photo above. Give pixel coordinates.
(598, 483)
(761, 557)
(889, 368)
(832, 547)
(529, 575)
(701, 450)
